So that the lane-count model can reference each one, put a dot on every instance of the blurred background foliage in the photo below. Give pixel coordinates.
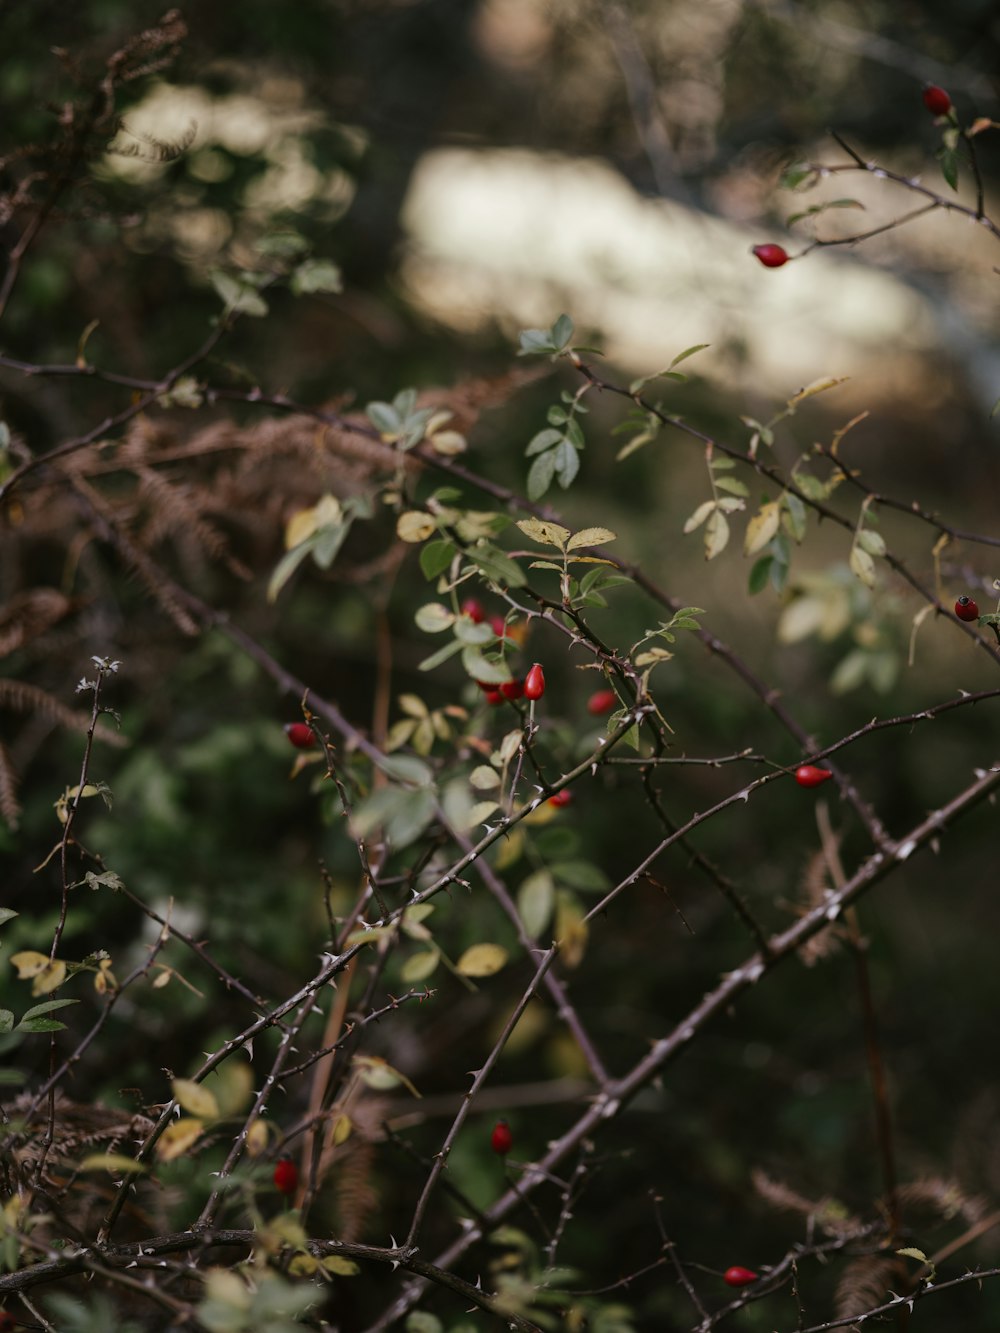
(472, 166)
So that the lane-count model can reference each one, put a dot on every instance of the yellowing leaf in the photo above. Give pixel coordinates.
(177, 1138)
(29, 963)
(590, 537)
(378, 1074)
(342, 1128)
(716, 535)
(194, 1097)
(256, 1139)
(817, 386)
(415, 526)
(303, 1265)
(572, 931)
(448, 443)
(862, 566)
(419, 966)
(484, 778)
(47, 975)
(699, 516)
(480, 813)
(111, 1161)
(761, 528)
(299, 527)
(546, 534)
(333, 1263)
(481, 960)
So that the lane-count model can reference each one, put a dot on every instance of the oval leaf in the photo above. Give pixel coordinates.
(482, 960)
(194, 1097)
(761, 528)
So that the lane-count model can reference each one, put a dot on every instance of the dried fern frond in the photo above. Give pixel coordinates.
(29, 615)
(827, 1213)
(864, 1285)
(815, 889)
(10, 806)
(945, 1198)
(31, 699)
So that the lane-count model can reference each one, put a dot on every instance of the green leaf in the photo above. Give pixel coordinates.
(733, 486)
(535, 901)
(497, 565)
(862, 566)
(435, 558)
(759, 574)
(405, 768)
(384, 418)
(39, 1025)
(533, 342)
(286, 567)
(316, 275)
(688, 351)
(948, 159)
(581, 875)
(567, 463)
(545, 439)
(794, 515)
(433, 617)
(540, 474)
(442, 655)
(47, 1007)
(562, 332)
(6, 913)
(6, 1021)
(872, 542)
(481, 668)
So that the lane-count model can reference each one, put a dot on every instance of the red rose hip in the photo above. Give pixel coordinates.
(808, 775)
(501, 1140)
(771, 255)
(286, 1176)
(534, 683)
(739, 1277)
(300, 735)
(966, 609)
(936, 100)
(474, 610)
(601, 701)
(512, 689)
(561, 798)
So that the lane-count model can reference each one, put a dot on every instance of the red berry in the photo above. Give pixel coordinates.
(534, 683)
(474, 610)
(808, 775)
(601, 701)
(563, 797)
(936, 100)
(501, 1140)
(512, 689)
(739, 1277)
(286, 1176)
(494, 698)
(300, 735)
(966, 609)
(770, 255)
(498, 625)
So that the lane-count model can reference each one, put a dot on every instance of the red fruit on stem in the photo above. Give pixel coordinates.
(739, 1277)
(808, 775)
(534, 683)
(771, 255)
(601, 701)
(936, 100)
(498, 625)
(286, 1176)
(300, 735)
(474, 610)
(563, 797)
(966, 609)
(501, 1140)
(494, 698)
(512, 689)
